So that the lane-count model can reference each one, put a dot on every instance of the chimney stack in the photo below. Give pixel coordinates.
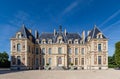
(65, 32)
(36, 34)
(54, 32)
(83, 35)
(88, 32)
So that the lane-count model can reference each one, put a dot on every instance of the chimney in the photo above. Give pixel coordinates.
(54, 32)
(83, 35)
(30, 30)
(88, 32)
(65, 32)
(36, 34)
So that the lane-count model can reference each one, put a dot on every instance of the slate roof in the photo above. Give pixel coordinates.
(93, 33)
(25, 33)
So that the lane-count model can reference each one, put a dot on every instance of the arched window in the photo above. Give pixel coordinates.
(18, 47)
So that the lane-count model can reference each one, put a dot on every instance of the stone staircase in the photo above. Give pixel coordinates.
(58, 68)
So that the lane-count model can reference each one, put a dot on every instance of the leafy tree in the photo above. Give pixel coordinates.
(4, 62)
(117, 54)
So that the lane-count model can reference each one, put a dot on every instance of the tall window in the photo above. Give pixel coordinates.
(37, 62)
(50, 61)
(70, 61)
(76, 51)
(76, 61)
(37, 51)
(19, 36)
(43, 51)
(82, 51)
(13, 60)
(49, 50)
(28, 48)
(18, 60)
(18, 47)
(43, 61)
(99, 60)
(69, 51)
(99, 48)
(59, 50)
(82, 63)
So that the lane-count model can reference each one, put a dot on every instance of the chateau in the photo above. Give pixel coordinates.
(59, 49)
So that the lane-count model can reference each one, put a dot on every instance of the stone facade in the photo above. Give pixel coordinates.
(59, 49)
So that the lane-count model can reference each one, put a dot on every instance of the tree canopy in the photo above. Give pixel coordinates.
(117, 54)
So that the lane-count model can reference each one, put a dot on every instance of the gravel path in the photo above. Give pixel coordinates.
(62, 74)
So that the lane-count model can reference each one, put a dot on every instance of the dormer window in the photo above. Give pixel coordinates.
(60, 39)
(88, 39)
(99, 35)
(69, 41)
(49, 41)
(43, 41)
(76, 41)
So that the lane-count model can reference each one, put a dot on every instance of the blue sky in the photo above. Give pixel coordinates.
(45, 15)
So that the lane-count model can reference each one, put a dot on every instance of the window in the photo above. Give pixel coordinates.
(50, 61)
(18, 60)
(99, 60)
(76, 61)
(13, 60)
(82, 63)
(37, 62)
(99, 47)
(19, 36)
(50, 41)
(76, 51)
(69, 51)
(60, 40)
(43, 61)
(28, 48)
(59, 50)
(37, 51)
(99, 36)
(76, 42)
(82, 51)
(49, 50)
(18, 47)
(70, 42)
(43, 51)
(70, 61)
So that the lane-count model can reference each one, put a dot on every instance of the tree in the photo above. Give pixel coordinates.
(117, 54)
(4, 62)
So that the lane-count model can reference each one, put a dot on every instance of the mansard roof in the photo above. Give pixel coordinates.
(25, 33)
(93, 33)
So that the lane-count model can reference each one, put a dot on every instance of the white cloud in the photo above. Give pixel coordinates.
(70, 7)
(110, 18)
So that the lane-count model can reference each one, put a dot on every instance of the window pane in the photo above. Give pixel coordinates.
(82, 61)
(69, 51)
(36, 50)
(82, 51)
(99, 60)
(50, 51)
(76, 51)
(59, 50)
(18, 47)
(50, 61)
(76, 61)
(99, 47)
(43, 50)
